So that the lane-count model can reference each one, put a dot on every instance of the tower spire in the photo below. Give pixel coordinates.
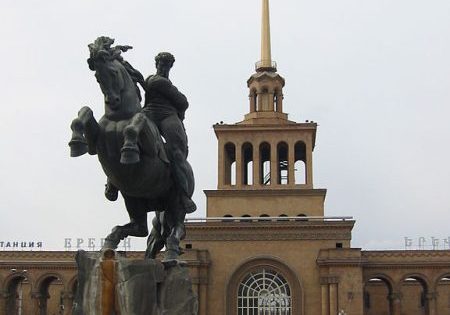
(266, 63)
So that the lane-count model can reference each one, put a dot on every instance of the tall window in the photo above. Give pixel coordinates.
(264, 292)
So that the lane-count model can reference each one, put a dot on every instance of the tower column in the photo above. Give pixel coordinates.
(291, 164)
(279, 103)
(256, 165)
(239, 165)
(273, 164)
(221, 163)
(395, 303)
(325, 299)
(259, 101)
(252, 101)
(67, 302)
(431, 302)
(309, 165)
(3, 299)
(333, 299)
(271, 96)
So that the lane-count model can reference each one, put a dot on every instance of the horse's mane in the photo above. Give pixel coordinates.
(101, 50)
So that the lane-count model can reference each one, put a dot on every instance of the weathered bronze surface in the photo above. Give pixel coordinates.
(151, 175)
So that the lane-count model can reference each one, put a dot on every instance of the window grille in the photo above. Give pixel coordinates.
(265, 292)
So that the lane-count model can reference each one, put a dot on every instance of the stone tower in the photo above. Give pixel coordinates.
(265, 161)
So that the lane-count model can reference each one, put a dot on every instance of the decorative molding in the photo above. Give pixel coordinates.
(261, 191)
(290, 126)
(268, 232)
(406, 253)
(341, 262)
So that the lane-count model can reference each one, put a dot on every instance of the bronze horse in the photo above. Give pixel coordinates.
(131, 152)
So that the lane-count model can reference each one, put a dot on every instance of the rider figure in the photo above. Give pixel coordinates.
(165, 106)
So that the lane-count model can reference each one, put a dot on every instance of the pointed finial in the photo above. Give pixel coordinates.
(266, 63)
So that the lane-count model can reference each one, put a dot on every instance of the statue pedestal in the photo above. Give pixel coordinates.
(110, 284)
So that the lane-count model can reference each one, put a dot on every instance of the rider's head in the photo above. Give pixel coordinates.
(164, 61)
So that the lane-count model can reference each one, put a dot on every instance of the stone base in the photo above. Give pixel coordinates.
(109, 284)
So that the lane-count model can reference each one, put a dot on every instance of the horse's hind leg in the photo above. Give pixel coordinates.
(84, 133)
(136, 227)
(174, 221)
(155, 241)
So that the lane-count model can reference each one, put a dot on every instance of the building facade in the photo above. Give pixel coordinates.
(265, 246)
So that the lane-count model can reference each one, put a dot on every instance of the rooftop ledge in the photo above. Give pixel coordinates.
(265, 219)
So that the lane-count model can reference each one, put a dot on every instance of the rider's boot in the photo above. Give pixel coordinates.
(188, 204)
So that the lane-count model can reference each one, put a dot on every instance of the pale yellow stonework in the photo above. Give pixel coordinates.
(265, 214)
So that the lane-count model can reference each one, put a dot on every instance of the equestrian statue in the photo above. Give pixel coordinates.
(143, 150)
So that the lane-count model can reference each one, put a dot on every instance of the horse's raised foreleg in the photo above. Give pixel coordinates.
(137, 226)
(130, 150)
(84, 133)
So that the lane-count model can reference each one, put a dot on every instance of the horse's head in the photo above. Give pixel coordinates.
(114, 76)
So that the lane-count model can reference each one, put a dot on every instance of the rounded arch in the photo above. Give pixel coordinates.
(17, 286)
(421, 278)
(229, 163)
(439, 278)
(377, 291)
(259, 263)
(300, 162)
(47, 278)
(414, 288)
(247, 163)
(282, 163)
(265, 165)
(14, 277)
(390, 283)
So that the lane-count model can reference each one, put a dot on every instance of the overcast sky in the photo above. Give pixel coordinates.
(375, 75)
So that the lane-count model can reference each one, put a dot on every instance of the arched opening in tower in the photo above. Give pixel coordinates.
(247, 155)
(282, 163)
(264, 154)
(229, 164)
(300, 163)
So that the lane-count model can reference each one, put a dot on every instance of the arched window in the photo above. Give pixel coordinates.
(264, 292)
(282, 152)
(247, 155)
(300, 163)
(230, 164)
(264, 157)
(377, 292)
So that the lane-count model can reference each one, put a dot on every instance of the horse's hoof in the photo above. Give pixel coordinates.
(77, 147)
(129, 155)
(110, 245)
(173, 262)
